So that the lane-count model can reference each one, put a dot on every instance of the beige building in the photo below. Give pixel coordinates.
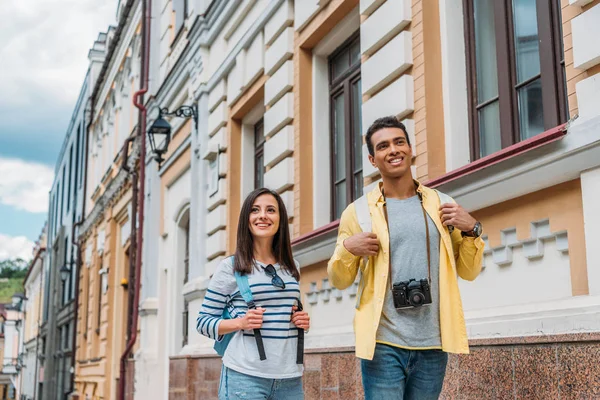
(105, 283)
(500, 100)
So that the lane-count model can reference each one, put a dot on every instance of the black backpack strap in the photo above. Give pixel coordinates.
(258, 337)
(300, 348)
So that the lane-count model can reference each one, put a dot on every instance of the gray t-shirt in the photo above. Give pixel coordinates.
(413, 328)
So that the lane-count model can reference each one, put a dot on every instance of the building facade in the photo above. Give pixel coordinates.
(105, 283)
(12, 361)
(30, 388)
(501, 103)
(60, 274)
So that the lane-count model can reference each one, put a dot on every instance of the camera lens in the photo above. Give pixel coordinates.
(417, 299)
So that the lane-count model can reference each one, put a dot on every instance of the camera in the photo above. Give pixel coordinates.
(411, 293)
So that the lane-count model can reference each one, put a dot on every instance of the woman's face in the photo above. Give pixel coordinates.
(264, 216)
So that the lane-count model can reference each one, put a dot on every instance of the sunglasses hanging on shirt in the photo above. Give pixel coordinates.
(275, 279)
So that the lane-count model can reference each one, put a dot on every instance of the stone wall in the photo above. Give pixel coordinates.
(549, 367)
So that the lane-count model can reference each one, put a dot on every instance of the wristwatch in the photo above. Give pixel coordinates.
(476, 232)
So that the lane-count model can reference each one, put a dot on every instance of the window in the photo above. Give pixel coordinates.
(70, 176)
(99, 299)
(180, 10)
(259, 154)
(516, 82)
(80, 150)
(346, 134)
(59, 206)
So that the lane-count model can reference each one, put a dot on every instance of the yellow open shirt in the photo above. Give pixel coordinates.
(458, 255)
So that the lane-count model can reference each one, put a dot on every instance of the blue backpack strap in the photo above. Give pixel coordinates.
(246, 292)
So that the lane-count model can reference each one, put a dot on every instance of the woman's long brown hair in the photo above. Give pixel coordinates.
(282, 247)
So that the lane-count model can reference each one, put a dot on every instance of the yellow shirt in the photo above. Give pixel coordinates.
(458, 255)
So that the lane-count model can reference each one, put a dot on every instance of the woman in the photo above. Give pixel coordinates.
(264, 255)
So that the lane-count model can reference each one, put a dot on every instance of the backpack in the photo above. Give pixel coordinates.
(246, 292)
(363, 215)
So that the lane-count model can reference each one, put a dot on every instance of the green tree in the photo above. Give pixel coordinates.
(14, 268)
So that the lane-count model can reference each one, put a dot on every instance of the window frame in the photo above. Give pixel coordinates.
(552, 74)
(342, 85)
(259, 152)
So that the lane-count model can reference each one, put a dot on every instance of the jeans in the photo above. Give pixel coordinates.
(235, 385)
(400, 374)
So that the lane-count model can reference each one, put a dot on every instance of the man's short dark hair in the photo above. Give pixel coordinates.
(384, 122)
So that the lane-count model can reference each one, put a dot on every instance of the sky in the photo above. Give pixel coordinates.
(44, 46)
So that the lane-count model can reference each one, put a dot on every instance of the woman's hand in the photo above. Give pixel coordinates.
(252, 320)
(300, 318)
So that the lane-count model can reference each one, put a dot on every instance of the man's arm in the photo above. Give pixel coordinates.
(343, 265)
(468, 251)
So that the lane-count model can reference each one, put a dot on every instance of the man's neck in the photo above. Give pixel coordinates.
(399, 188)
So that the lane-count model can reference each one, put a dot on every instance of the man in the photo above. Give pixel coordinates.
(403, 336)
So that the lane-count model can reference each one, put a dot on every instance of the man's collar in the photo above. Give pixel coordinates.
(378, 191)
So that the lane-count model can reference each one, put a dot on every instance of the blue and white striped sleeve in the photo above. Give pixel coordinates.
(220, 287)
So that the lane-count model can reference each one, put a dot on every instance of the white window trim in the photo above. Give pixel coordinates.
(454, 84)
(321, 121)
(247, 164)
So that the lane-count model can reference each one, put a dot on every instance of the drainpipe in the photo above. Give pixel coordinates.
(138, 100)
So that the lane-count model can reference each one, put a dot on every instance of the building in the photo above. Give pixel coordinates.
(12, 361)
(61, 270)
(501, 104)
(105, 305)
(30, 388)
(7, 389)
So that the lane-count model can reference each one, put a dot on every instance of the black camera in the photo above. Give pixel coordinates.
(411, 293)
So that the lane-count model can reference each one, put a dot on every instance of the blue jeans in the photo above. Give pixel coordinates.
(235, 385)
(399, 374)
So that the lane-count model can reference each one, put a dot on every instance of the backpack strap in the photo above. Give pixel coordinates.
(444, 198)
(363, 215)
(246, 292)
(361, 206)
(300, 348)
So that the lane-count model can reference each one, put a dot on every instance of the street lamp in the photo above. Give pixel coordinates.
(17, 301)
(65, 271)
(159, 133)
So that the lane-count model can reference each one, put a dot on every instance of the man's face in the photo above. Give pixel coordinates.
(393, 155)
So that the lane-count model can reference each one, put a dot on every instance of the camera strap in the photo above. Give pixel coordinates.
(428, 244)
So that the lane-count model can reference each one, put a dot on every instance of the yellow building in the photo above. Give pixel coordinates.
(104, 307)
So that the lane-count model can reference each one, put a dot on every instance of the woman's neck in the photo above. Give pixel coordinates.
(263, 250)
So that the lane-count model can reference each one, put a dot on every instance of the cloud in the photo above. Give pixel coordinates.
(15, 247)
(25, 185)
(44, 46)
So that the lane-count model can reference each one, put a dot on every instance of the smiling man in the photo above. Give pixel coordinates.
(408, 308)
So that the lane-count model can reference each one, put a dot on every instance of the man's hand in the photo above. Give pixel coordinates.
(362, 244)
(455, 215)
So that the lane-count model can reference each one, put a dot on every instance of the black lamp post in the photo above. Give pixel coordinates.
(65, 271)
(160, 131)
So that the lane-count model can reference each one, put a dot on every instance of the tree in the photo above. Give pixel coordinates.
(15, 268)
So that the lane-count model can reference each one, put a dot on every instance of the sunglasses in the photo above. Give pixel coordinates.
(275, 279)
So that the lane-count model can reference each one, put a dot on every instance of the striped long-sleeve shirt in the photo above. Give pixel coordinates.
(280, 335)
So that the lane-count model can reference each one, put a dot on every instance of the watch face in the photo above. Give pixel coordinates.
(477, 229)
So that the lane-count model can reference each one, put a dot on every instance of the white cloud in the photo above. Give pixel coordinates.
(15, 247)
(44, 46)
(25, 185)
